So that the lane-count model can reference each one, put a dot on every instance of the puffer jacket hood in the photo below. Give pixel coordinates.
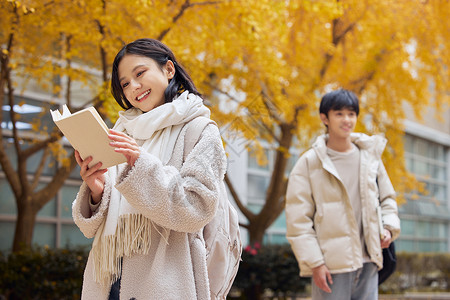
(374, 144)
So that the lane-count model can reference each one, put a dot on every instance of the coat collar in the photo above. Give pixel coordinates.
(374, 145)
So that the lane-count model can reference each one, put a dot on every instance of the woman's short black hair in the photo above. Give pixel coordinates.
(337, 100)
(160, 53)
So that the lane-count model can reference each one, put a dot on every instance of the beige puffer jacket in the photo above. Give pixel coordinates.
(321, 226)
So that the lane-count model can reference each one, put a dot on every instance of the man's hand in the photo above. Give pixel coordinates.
(387, 239)
(321, 277)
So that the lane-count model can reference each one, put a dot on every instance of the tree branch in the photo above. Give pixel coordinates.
(180, 13)
(5, 162)
(264, 126)
(276, 190)
(297, 110)
(250, 113)
(255, 115)
(13, 116)
(222, 91)
(12, 113)
(247, 213)
(49, 191)
(268, 103)
(244, 225)
(361, 83)
(69, 79)
(40, 169)
(280, 163)
(103, 54)
(183, 8)
(21, 163)
(41, 145)
(336, 39)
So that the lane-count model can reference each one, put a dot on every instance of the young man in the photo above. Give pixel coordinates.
(331, 200)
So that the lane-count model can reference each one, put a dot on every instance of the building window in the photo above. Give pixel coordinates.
(425, 217)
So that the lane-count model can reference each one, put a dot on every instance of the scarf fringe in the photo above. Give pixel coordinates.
(133, 236)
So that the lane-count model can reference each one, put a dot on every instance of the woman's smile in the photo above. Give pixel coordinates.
(143, 96)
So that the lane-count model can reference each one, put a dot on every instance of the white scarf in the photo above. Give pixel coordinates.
(125, 230)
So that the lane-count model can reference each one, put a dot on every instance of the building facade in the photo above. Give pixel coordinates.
(425, 218)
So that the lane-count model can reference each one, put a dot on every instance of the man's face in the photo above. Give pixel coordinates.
(341, 123)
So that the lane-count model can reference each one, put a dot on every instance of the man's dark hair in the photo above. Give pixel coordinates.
(337, 100)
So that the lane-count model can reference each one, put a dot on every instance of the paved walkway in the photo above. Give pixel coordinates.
(416, 296)
(406, 296)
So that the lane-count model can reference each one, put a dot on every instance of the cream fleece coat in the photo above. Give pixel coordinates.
(180, 197)
(321, 226)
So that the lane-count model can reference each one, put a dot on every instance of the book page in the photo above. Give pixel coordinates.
(56, 115)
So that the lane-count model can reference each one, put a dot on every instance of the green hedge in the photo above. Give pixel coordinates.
(268, 270)
(42, 273)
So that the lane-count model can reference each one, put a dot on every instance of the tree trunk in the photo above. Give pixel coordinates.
(26, 218)
(256, 231)
(274, 205)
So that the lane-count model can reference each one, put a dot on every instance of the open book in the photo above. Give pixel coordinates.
(88, 133)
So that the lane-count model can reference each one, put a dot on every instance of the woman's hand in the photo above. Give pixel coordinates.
(124, 144)
(94, 176)
(387, 239)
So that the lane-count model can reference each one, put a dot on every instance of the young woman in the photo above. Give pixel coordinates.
(147, 214)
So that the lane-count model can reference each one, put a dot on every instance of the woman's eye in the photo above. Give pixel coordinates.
(139, 73)
(124, 85)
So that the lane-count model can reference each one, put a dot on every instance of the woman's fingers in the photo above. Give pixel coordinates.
(92, 176)
(93, 169)
(122, 138)
(78, 158)
(85, 164)
(125, 145)
(85, 171)
(128, 151)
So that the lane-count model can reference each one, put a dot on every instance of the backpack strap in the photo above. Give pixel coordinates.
(194, 129)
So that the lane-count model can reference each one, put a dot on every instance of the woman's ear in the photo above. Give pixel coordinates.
(324, 119)
(170, 69)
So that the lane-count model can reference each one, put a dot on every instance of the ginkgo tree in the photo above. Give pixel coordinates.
(56, 44)
(36, 46)
(270, 60)
(284, 55)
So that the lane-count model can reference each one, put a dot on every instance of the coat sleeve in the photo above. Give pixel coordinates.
(300, 217)
(183, 200)
(389, 208)
(84, 218)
